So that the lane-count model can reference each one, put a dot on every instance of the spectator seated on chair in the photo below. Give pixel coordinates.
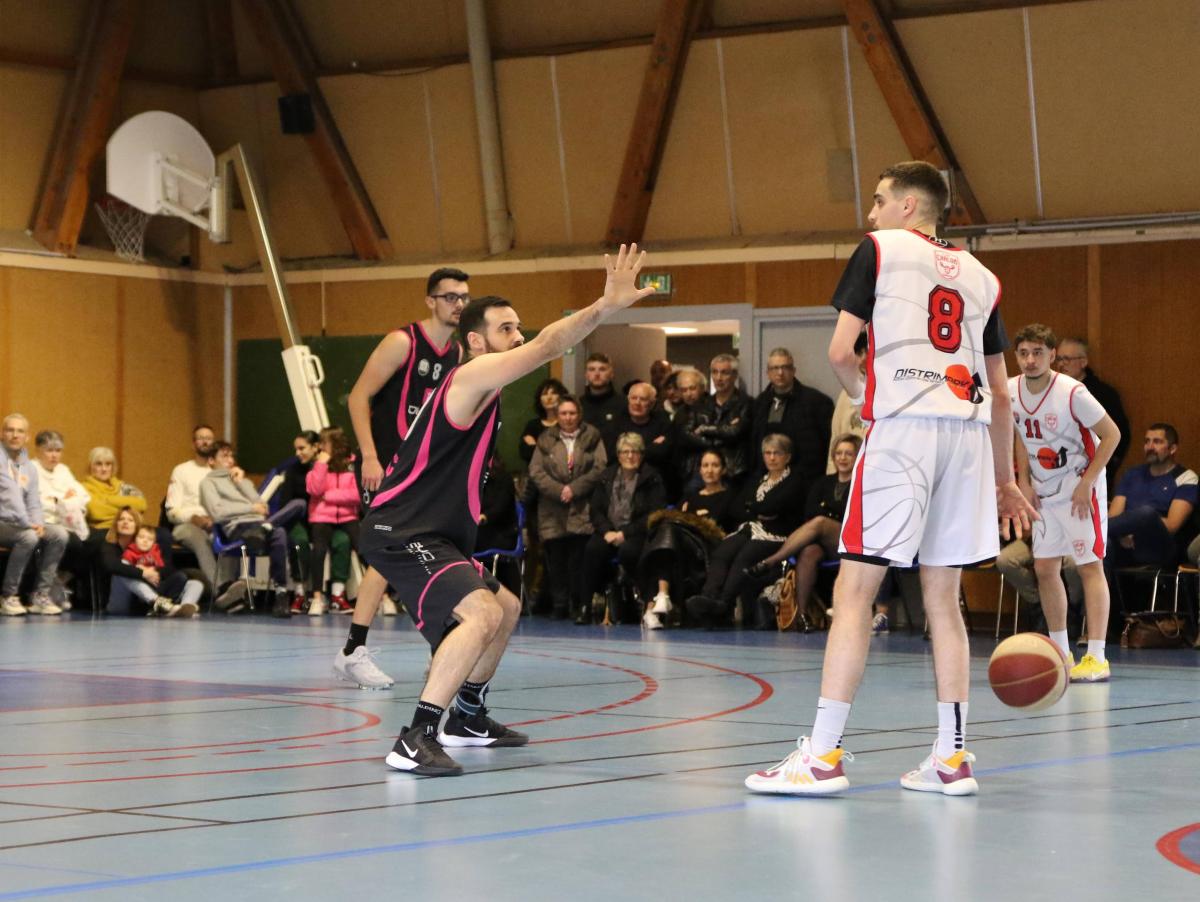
(681, 541)
(799, 411)
(768, 510)
(333, 506)
(1152, 504)
(816, 541)
(23, 527)
(64, 503)
(567, 464)
(236, 507)
(190, 524)
(628, 492)
(692, 419)
(1015, 564)
(142, 578)
(108, 494)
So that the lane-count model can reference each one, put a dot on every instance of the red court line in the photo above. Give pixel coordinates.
(1168, 846)
(649, 687)
(170, 757)
(241, 752)
(766, 690)
(370, 720)
(91, 763)
(312, 745)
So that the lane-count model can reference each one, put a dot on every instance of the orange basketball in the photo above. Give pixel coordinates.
(1028, 671)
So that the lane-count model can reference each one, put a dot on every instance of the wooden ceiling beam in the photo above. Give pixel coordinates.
(222, 43)
(84, 124)
(910, 108)
(281, 35)
(677, 24)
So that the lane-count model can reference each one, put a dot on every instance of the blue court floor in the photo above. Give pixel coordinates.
(219, 759)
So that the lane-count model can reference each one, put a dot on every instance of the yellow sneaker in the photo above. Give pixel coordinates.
(1089, 670)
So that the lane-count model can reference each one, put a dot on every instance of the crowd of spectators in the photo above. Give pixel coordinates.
(673, 500)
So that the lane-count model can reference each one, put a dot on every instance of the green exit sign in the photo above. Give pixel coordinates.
(659, 281)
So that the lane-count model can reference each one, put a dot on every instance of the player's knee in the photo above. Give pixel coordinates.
(1047, 568)
(510, 606)
(484, 615)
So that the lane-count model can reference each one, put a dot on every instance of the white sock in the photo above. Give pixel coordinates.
(829, 725)
(1096, 649)
(1059, 638)
(340, 589)
(952, 728)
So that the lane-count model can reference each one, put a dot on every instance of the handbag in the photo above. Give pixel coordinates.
(1154, 629)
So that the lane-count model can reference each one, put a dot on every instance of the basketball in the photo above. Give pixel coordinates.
(1028, 671)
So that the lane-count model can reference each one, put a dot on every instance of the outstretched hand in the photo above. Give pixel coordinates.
(620, 289)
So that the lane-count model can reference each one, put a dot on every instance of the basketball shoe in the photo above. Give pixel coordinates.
(1089, 670)
(950, 777)
(359, 667)
(477, 731)
(803, 773)
(417, 751)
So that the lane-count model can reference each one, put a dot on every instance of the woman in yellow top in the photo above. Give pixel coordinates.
(109, 494)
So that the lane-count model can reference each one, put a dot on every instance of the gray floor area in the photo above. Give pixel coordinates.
(219, 759)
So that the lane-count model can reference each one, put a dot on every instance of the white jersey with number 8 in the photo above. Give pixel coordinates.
(925, 355)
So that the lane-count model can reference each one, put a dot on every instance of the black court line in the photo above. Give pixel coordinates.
(202, 823)
(490, 795)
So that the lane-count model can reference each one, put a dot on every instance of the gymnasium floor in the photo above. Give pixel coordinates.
(220, 760)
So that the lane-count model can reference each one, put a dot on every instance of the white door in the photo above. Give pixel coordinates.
(806, 332)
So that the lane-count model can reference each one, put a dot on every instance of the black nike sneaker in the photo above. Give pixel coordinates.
(417, 751)
(477, 731)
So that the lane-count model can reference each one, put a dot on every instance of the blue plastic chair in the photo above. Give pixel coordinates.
(516, 553)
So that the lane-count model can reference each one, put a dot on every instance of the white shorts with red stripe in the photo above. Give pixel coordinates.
(1060, 533)
(923, 488)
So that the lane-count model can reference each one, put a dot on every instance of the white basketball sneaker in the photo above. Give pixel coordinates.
(803, 773)
(951, 777)
(662, 603)
(359, 667)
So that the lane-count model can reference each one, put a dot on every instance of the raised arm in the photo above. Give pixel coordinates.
(389, 355)
(475, 381)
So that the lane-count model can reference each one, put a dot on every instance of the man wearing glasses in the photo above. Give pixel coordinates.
(798, 411)
(403, 370)
(1072, 360)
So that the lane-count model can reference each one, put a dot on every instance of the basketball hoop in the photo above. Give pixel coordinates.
(126, 227)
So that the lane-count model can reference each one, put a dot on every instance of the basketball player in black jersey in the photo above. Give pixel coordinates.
(421, 528)
(405, 368)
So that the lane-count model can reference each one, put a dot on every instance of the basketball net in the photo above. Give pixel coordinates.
(126, 227)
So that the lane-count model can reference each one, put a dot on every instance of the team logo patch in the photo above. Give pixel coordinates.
(423, 367)
(1052, 420)
(947, 264)
(1079, 547)
(1051, 459)
(960, 381)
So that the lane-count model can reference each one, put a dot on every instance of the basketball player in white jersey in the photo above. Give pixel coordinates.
(1068, 440)
(934, 470)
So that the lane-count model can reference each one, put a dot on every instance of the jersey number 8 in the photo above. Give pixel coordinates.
(945, 319)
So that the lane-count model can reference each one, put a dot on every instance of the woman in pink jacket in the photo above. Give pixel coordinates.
(333, 503)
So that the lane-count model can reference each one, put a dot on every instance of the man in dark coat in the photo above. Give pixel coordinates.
(801, 413)
(1072, 359)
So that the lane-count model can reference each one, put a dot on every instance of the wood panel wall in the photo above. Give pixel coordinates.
(131, 364)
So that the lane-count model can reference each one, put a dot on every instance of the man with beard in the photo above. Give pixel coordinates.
(423, 521)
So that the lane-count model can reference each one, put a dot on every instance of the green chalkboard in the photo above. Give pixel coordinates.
(266, 418)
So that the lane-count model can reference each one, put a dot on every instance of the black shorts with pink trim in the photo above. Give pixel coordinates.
(432, 576)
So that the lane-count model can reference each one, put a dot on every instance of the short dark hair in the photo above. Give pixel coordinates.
(200, 426)
(472, 318)
(309, 436)
(597, 357)
(1171, 432)
(1036, 333)
(860, 343)
(917, 175)
(542, 386)
(567, 397)
(218, 446)
(445, 272)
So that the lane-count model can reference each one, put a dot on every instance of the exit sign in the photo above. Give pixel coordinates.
(659, 281)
